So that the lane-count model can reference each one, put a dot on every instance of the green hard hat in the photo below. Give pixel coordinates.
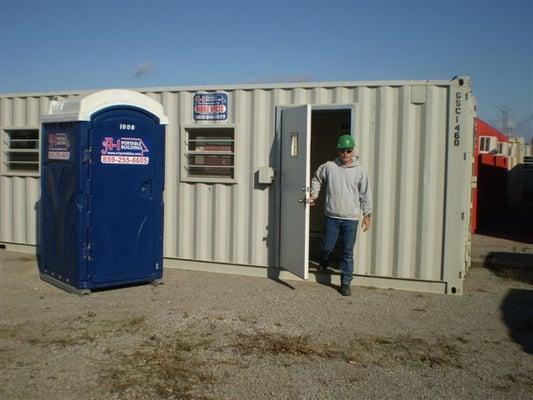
(345, 142)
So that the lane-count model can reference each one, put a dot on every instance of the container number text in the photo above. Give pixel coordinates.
(457, 127)
(126, 127)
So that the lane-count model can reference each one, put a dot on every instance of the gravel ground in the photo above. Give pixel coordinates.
(215, 336)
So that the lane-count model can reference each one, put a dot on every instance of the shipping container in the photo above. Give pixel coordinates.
(238, 160)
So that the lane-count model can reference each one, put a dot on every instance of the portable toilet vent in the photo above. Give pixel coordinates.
(102, 174)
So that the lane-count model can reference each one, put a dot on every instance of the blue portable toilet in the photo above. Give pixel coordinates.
(102, 177)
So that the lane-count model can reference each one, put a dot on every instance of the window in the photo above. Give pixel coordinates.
(208, 154)
(484, 144)
(21, 150)
(500, 148)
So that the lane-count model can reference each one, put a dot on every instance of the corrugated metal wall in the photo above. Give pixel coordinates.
(19, 194)
(402, 145)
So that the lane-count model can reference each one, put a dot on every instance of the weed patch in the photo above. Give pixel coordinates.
(387, 352)
(82, 330)
(166, 368)
(263, 343)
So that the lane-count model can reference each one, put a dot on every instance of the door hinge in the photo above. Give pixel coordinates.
(87, 154)
(87, 249)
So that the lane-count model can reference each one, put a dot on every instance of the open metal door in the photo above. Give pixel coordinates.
(295, 189)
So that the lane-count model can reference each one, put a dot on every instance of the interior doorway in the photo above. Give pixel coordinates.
(326, 126)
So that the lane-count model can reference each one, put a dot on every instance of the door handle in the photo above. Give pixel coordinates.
(146, 189)
(305, 200)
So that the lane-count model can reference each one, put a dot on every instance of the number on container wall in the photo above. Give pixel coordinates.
(126, 127)
(457, 127)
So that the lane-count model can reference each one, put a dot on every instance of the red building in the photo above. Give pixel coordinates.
(491, 165)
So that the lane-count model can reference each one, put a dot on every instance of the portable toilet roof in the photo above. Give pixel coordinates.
(81, 108)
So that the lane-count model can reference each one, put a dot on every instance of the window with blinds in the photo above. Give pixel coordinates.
(209, 154)
(21, 151)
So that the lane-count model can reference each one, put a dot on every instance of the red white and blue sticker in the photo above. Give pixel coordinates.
(58, 146)
(124, 150)
(210, 106)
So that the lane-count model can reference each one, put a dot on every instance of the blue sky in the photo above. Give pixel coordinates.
(56, 45)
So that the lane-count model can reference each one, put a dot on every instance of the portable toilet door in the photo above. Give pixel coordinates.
(120, 174)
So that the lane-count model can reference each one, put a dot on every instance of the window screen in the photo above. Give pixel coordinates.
(21, 150)
(209, 154)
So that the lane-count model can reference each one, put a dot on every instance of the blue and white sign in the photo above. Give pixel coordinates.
(210, 106)
(124, 150)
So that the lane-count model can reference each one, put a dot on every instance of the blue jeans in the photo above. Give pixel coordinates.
(348, 232)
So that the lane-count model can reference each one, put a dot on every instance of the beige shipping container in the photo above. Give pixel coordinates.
(241, 205)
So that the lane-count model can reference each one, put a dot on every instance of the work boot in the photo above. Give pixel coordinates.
(345, 290)
(323, 266)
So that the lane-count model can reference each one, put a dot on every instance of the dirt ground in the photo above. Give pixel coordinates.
(215, 336)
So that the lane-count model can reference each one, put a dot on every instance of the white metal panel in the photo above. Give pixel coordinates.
(457, 205)
(252, 86)
(19, 198)
(6, 210)
(294, 178)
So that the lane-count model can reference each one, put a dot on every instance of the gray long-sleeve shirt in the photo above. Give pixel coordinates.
(348, 192)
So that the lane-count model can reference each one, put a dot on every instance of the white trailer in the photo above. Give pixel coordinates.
(238, 165)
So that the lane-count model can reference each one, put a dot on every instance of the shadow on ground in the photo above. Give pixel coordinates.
(511, 223)
(274, 273)
(516, 266)
(517, 312)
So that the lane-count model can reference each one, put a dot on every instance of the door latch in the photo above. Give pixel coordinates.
(305, 200)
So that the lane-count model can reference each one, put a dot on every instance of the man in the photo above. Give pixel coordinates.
(348, 195)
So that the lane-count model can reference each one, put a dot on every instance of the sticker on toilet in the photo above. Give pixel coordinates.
(124, 150)
(58, 146)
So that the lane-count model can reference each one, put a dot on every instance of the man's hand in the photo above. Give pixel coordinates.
(312, 201)
(367, 223)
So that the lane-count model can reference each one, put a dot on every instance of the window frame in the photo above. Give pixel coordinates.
(484, 144)
(5, 150)
(184, 151)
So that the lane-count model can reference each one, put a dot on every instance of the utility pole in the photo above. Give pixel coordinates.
(505, 119)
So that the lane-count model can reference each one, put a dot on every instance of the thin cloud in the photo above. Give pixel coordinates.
(143, 68)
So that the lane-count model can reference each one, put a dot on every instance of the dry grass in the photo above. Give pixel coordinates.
(524, 380)
(405, 350)
(73, 332)
(182, 366)
(264, 343)
(363, 351)
(159, 368)
(188, 363)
